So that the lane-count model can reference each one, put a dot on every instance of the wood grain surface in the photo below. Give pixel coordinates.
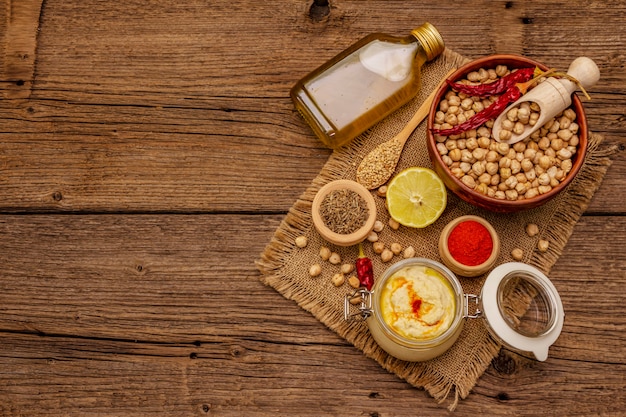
(148, 151)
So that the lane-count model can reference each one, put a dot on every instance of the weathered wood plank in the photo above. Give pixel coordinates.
(128, 313)
(170, 110)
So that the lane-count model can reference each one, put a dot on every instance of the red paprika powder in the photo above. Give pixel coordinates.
(470, 243)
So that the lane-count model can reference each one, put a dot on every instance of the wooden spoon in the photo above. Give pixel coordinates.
(552, 96)
(377, 166)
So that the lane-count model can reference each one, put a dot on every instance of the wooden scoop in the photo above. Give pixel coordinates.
(377, 166)
(553, 96)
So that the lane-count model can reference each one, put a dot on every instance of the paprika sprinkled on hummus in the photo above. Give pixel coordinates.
(418, 303)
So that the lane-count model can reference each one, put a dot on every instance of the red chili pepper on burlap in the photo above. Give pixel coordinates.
(364, 270)
(497, 87)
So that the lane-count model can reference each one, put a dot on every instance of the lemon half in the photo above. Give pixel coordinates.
(416, 197)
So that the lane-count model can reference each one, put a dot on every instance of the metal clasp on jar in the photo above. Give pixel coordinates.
(477, 312)
(360, 300)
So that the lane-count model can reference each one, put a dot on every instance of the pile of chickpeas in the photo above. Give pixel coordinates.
(520, 171)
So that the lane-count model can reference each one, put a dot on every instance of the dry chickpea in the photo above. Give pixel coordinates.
(471, 143)
(532, 229)
(543, 245)
(482, 188)
(468, 181)
(441, 148)
(396, 248)
(484, 142)
(409, 252)
(372, 237)
(517, 254)
(455, 154)
(543, 189)
(301, 241)
(516, 166)
(484, 178)
(491, 168)
(394, 224)
(325, 253)
(478, 168)
(335, 258)
(354, 282)
(378, 247)
(382, 191)
(315, 270)
(338, 280)
(501, 70)
(347, 268)
(531, 193)
(386, 256)
(511, 195)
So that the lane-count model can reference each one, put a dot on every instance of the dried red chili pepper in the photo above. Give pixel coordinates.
(491, 112)
(499, 86)
(364, 270)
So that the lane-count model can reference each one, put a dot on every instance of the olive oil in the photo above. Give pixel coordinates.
(365, 83)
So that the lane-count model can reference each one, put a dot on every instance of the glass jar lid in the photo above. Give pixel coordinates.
(522, 308)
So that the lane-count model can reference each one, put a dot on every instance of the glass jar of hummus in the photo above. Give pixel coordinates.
(416, 309)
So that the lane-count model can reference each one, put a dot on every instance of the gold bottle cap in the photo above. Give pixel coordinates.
(431, 40)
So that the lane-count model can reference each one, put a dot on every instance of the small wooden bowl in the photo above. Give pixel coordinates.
(456, 266)
(474, 197)
(334, 237)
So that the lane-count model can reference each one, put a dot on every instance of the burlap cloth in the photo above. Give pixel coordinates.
(285, 266)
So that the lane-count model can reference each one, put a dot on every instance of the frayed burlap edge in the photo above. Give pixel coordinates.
(298, 222)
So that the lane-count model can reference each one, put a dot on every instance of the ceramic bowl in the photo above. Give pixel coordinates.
(458, 267)
(474, 197)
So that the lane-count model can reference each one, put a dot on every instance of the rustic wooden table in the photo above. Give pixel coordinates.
(148, 151)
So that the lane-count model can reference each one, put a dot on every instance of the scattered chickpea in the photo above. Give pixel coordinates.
(386, 255)
(347, 268)
(543, 245)
(356, 300)
(301, 241)
(334, 259)
(382, 191)
(394, 224)
(353, 281)
(325, 253)
(517, 254)
(532, 229)
(378, 247)
(315, 270)
(338, 280)
(372, 237)
(409, 252)
(396, 248)
(378, 226)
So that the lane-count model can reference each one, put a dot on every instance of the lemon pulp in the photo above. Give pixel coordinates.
(416, 197)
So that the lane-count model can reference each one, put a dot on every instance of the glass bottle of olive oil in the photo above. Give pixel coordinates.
(365, 83)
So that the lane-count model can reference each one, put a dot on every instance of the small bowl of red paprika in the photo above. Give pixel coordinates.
(469, 246)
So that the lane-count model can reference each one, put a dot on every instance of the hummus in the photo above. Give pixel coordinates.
(417, 302)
